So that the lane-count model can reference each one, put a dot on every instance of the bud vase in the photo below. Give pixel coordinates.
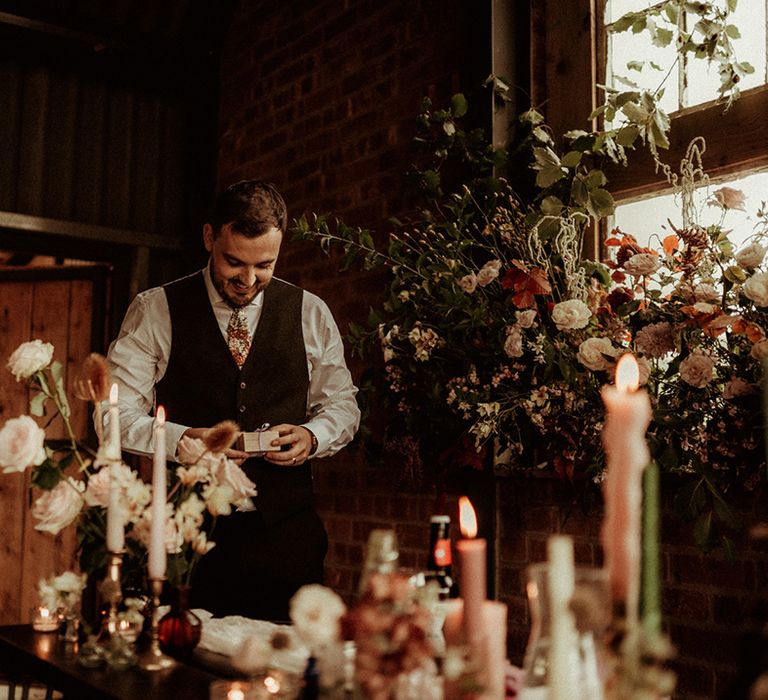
(179, 629)
(589, 605)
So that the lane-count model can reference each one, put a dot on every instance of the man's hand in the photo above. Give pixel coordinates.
(300, 440)
(237, 456)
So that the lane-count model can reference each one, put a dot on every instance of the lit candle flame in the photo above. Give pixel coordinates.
(113, 395)
(160, 416)
(467, 518)
(627, 373)
(235, 694)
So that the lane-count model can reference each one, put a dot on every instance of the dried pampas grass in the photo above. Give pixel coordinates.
(93, 382)
(221, 436)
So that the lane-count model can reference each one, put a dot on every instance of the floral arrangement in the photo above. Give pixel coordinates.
(62, 592)
(71, 484)
(496, 332)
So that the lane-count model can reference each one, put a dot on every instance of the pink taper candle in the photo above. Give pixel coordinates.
(473, 573)
(115, 526)
(628, 414)
(157, 556)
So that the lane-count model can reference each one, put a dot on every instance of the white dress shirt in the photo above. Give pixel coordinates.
(138, 359)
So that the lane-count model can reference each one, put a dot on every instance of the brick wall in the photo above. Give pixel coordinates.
(320, 98)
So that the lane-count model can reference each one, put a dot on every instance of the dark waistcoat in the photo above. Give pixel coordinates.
(203, 384)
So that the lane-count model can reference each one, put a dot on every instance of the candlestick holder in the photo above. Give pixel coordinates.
(112, 593)
(154, 659)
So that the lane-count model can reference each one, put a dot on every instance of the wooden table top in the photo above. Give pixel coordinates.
(39, 656)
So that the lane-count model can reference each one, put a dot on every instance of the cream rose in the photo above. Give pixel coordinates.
(21, 445)
(489, 272)
(642, 264)
(750, 256)
(526, 319)
(227, 473)
(30, 357)
(728, 198)
(756, 288)
(571, 314)
(705, 292)
(594, 354)
(697, 369)
(59, 507)
(468, 283)
(315, 612)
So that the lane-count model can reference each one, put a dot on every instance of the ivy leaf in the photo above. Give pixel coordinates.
(548, 165)
(595, 178)
(634, 112)
(600, 203)
(46, 476)
(459, 105)
(733, 31)
(732, 5)
(735, 274)
(635, 65)
(551, 205)
(662, 37)
(542, 134)
(571, 159)
(627, 135)
(532, 117)
(579, 192)
(672, 11)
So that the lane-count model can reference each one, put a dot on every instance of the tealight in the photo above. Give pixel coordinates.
(44, 619)
(231, 690)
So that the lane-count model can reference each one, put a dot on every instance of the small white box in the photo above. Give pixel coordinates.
(258, 441)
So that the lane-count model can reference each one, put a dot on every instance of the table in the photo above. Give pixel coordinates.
(41, 657)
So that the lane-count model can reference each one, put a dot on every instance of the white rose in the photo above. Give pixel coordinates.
(513, 345)
(642, 264)
(756, 288)
(760, 349)
(489, 272)
(697, 369)
(750, 256)
(468, 283)
(229, 474)
(97, 492)
(57, 508)
(315, 612)
(526, 319)
(69, 582)
(571, 314)
(594, 353)
(30, 357)
(21, 445)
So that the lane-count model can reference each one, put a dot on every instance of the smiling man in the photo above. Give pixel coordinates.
(233, 342)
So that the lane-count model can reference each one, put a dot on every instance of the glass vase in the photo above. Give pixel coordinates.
(589, 604)
(179, 629)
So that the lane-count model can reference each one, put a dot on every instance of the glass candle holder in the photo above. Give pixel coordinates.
(232, 690)
(44, 619)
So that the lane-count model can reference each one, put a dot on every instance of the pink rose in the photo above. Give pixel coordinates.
(488, 273)
(727, 198)
(57, 508)
(697, 369)
(21, 445)
(513, 346)
(468, 283)
(756, 288)
(642, 264)
(229, 474)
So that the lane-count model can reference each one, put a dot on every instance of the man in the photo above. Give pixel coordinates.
(233, 342)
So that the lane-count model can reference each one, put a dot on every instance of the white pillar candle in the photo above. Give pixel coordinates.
(157, 554)
(473, 573)
(562, 580)
(628, 414)
(114, 450)
(115, 526)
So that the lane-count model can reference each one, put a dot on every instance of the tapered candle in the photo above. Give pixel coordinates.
(628, 416)
(473, 573)
(113, 445)
(157, 555)
(561, 582)
(115, 527)
(651, 588)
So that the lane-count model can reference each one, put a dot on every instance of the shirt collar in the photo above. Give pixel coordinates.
(216, 299)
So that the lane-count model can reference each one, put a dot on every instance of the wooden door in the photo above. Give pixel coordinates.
(65, 307)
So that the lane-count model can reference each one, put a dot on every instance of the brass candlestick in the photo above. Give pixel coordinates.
(112, 592)
(154, 659)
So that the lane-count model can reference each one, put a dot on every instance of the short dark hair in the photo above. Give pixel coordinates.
(251, 207)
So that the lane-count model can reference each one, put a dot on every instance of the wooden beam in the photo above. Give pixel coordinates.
(81, 231)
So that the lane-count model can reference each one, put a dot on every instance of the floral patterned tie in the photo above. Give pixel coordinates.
(238, 337)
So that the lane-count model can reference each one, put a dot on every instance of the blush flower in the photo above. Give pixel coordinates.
(750, 256)
(468, 283)
(642, 264)
(488, 273)
(30, 357)
(756, 288)
(655, 340)
(59, 507)
(697, 369)
(571, 314)
(513, 345)
(727, 198)
(21, 445)
(596, 354)
(316, 612)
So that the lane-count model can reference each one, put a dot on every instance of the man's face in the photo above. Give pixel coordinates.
(240, 266)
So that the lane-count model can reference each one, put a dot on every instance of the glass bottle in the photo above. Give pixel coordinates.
(439, 557)
(589, 604)
(381, 556)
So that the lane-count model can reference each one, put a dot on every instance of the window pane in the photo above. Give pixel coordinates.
(647, 219)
